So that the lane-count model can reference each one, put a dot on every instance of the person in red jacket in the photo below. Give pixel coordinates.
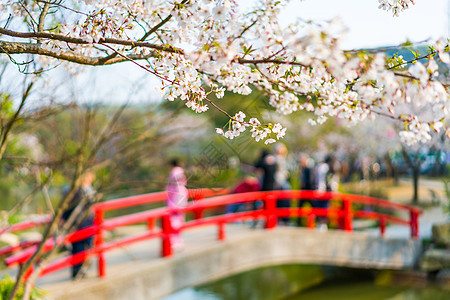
(248, 184)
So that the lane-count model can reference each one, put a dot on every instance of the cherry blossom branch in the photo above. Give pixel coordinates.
(173, 82)
(70, 56)
(63, 6)
(159, 25)
(270, 61)
(247, 28)
(219, 109)
(413, 60)
(128, 58)
(369, 107)
(415, 78)
(81, 41)
(33, 48)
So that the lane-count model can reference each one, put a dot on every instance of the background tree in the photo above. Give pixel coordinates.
(107, 140)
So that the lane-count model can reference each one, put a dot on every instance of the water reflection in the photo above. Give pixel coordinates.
(305, 282)
(367, 290)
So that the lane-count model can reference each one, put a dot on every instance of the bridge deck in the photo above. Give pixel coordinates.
(137, 272)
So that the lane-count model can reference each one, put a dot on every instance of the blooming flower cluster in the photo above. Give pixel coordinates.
(237, 125)
(395, 6)
(209, 47)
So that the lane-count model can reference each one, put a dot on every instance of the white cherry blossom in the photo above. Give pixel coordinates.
(202, 48)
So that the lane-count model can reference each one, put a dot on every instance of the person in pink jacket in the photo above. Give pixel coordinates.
(177, 197)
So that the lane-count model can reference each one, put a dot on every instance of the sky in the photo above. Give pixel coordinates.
(367, 26)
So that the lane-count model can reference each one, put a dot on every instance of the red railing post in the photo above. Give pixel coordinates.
(221, 233)
(28, 273)
(271, 207)
(348, 215)
(98, 241)
(151, 224)
(382, 225)
(198, 214)
(311, 222)
(414, 223)
(199, 197)
(166, 238)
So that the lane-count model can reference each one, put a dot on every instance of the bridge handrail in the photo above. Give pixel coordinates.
(27, 247)
(195, 194)
(149, 198)
(44, 219)
(270, 212)
(301, 194)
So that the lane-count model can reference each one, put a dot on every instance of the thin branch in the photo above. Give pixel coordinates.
(413, 60)
(45, 193)
(48, 232)
(130, 59)
(29, 14)
(219, 109)
(107, 132)
(42, 17)
(270, 61)
(65, 7)
(247, 28)
(14, 118)
(160, 24)
(24, 201)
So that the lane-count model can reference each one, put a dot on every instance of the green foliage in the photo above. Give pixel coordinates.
(408, 43)
(397, 61)
(15, 147)
(6, 106)
(372, 188)
(248, 50)
(6, 285)
(446, 206)
(7, 192)
(415, 53)
(13, 219)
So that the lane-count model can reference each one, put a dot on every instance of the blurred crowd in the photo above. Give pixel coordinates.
(273, 171)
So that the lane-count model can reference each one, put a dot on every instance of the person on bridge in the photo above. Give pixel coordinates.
(281, 179)
(307, 181)
(327, 180)
(267, 166)
(248, 184)
(84, 196)
(177, 197)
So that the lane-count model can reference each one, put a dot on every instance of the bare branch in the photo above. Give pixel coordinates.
(42, 16)
(62, 6)
(108, 131)
(32, 48)
(270, 61)
(80, 41)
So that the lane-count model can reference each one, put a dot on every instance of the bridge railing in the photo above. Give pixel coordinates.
(345, 213)
(99, 209)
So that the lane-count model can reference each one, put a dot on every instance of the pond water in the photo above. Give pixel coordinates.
(306, 282)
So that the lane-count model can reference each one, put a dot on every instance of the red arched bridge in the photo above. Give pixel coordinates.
(208, 208)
